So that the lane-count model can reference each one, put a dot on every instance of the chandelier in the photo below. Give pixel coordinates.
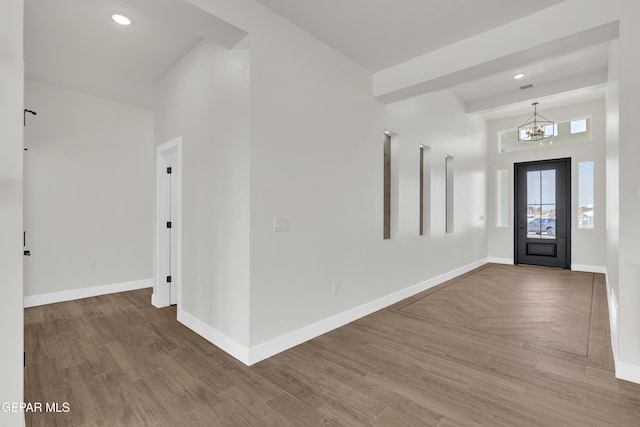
(536, 127)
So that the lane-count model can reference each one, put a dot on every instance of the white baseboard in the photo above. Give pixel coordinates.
(155, 302)
(589, 268)
(214, 336)
(627, 371)
(262, 351)
(494, 260)
(54, 297)
(624, 371)
(255, 354)
(284, 342)
(612, 305)
(287, 341)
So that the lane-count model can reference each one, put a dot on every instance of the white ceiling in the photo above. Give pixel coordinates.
(74, 43)
(381, 33)
(582, 62)
(556, 81)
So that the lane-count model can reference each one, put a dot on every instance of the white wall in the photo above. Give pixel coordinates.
(308, 101)
(88, 191)
(314, 134)
(316, 160)
(613, 176)
(11, 105)
(629, 189)
(205, 100)
(587, 247)
(320, 167)
(437, 120)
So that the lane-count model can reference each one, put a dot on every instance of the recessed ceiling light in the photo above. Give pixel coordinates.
(121, 19)
(518, 76)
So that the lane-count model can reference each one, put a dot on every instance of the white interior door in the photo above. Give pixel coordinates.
(172, 261)
(168, 224)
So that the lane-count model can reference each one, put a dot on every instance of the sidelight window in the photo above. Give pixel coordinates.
(585, 195)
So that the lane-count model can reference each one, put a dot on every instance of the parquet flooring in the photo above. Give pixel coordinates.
(539, 306)
(500, 358)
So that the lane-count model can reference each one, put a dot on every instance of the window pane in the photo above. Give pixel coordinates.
(585, 197)
(541, 204)
(502, 198)
(578, 126)
(551, 130)
(533, 188)
(563, 132)
(533, 219)
(548, 184)
(548, 211)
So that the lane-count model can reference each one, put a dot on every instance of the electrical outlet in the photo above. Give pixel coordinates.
(280, 224)
(335, 287)
(92, 267)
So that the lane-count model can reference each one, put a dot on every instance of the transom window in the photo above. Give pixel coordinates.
(568, 131)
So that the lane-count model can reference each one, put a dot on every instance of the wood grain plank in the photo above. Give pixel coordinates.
(296, 412)
(501, 345)
(344, 415)
(390, 417)
(251, 409)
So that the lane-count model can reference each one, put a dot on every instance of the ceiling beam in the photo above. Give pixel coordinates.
(541, 36)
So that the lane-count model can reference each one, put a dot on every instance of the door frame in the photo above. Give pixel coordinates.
(568, 206)
(161, 291)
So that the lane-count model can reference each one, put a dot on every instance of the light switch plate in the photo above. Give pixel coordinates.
(280, 225)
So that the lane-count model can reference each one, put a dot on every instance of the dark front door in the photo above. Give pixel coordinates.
(543, 213)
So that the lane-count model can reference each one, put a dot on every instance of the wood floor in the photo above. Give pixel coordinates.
(502, 345)
(548, 310)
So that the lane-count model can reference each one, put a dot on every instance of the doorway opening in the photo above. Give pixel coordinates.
(168, 230)
(543, 213)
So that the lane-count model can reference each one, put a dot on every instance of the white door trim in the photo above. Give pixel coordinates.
(161, 291)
